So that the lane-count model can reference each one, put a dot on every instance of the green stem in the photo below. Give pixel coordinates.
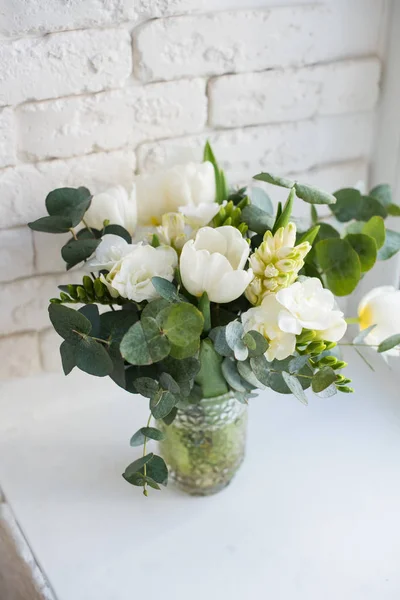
(73, 233)
(144, 454)
(352, 320)
(87, 226)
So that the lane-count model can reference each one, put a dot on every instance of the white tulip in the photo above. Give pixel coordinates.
(201, 215)
(381, 307)
(114, 205)
(110, 251)
(131, 277)
(214, 263)
(265, 320)
(189, 185)
(310, 306)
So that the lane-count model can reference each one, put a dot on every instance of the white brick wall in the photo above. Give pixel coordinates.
(93, 90)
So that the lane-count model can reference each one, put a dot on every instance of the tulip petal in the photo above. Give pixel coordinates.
(230, 286)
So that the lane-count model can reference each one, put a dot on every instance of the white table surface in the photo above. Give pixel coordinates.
(314, 513)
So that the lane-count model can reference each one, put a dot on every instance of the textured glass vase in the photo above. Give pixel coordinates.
(205, 445)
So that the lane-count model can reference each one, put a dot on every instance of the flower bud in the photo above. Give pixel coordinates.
(276, 263)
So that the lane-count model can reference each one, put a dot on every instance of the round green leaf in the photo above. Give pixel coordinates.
(340, 265)
(295, 387)
(67, 352)
(69, 323)
(76, 251)
(162, 403)
(157, 470)
(382, 193)
(391, 245)
(138, 464)
(144, 344)
(146, 432)
(350, 204)
(365, 247)
(93, 358)
(257, 219)
(375, 228)
(69, 202)
(323, 379)
(118, 230)
(166, 289)
(182, 323)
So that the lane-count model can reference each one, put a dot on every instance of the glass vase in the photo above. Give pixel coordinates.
(205, 444)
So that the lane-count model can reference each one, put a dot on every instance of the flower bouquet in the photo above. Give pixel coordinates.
(208, 294)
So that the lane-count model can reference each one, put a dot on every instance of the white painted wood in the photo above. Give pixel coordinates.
(312, 515)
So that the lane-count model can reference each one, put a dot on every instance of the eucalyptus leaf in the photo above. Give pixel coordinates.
(350, 204)
(91, 312)
(383, 194)
(67, 352)
(118, 230)
(51, 224)
(170, 416)
(258, 220)
(340, 264)
(359, 339)
(246, 372)
(71, 203)
(138, 464)
(69, 323)
(188, 351)
(232, 376)
(313, 195)
(375, 228)
(391, 245)
(322, 379)
(146, 386)
(76, 251)
(157, 470)
(144, 344)
(389, 343)
(260, 344)
(218, 336)
(182, 323)
(295, 387)
(269, 178)
(166, 289)
(167, 382)
(260, 199)
(365, 246)
(146, 432)
(93, 358)
(393, 210)
(183, 372)
(162, 403)
(139, 480)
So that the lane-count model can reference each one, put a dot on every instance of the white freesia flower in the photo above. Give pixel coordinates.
(214, 263)
(114, 205)
(265, 320)
(310, 306)
(381, 307)
(131, 277)
(191, 185)
(109, 252)
(172, 231)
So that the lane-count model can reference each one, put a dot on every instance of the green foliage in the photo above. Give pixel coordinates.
(351, 204)
(389, 343)
(210, 376)
(375, 228)
(365, 246)
(232, 376)
(118, 230)
(269, 178)
(313, 195)
(181, 323)
(157, 470)
(221, 189)
(51, 224)
(69, 324)
(257, 219)
(67, 357)
(323, 379)
(93, 358)
(383, 194)
(151, 433)
(283, 218)
(340, 265)
(144, 343)
(271, 373)
(260, 199)
(166, 289)
(310, 235)
(66, 208)
(204, 307)
(391, 245)
(162, 403)
(76, 251)
(294, 386)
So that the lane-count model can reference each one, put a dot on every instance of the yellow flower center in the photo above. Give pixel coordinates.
(365, 316)
(155, 221)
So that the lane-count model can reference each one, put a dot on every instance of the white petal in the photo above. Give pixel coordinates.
(288, 323)
(231, 286)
